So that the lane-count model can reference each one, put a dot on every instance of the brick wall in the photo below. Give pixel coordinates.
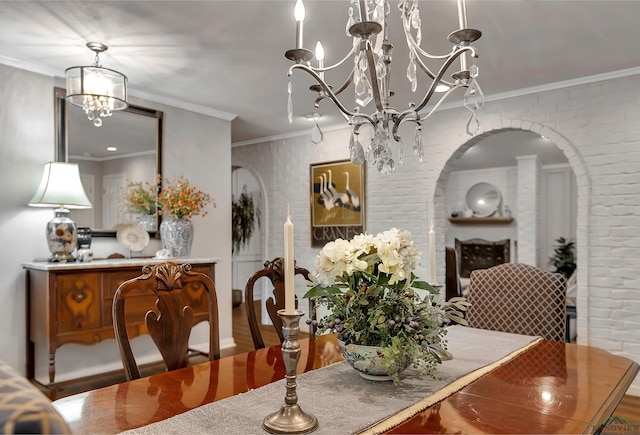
(596, 125)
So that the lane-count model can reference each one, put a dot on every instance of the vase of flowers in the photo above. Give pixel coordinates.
(141, 199)
(372, 298)
(179, 202)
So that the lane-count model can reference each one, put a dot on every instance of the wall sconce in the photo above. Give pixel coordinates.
(61, 187)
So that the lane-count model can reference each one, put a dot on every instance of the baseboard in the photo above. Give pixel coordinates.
(225, 343)
(150, 358)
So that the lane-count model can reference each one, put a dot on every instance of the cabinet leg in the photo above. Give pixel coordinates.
(31, 370)
(52, 367)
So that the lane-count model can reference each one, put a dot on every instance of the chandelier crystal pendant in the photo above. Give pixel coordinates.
(371, 73)
(99, 91)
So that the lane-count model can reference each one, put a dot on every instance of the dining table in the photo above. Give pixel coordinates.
(547, 387)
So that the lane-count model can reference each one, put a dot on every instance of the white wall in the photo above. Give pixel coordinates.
(556, 211)
(598, 128)
(505, 179)
(195, 145)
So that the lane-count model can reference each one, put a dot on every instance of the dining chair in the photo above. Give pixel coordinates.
(518, 298)
(23, 407)
(178, 291)
(274, 271)
(453, 287)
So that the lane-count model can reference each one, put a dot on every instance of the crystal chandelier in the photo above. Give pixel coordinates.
(99, 91)
(370, 76)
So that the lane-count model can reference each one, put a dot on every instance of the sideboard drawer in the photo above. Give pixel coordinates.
(78, 301)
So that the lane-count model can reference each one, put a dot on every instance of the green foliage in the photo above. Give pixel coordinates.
(141, 198)
(374, 298)
(564, 259)
(245, 216)
(366, 310)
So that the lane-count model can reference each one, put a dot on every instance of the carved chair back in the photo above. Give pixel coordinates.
(177, 290)
(274, 271)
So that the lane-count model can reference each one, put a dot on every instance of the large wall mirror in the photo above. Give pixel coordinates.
(136, 135)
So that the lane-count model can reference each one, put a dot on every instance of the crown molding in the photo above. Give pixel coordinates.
(132, 91)
(227, 116)
(495, 97)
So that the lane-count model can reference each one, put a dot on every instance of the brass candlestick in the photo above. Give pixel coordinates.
(290, 418)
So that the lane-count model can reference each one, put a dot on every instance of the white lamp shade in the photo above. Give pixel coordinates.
(60, 187)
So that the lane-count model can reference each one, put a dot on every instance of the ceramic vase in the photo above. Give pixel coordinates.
(177, 236)
(367, 360)
(149, 222)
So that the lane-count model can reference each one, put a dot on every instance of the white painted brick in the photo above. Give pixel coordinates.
(597, 127)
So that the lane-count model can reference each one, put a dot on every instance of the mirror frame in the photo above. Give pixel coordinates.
(61, 120)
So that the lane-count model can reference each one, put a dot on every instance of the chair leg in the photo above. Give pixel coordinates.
(571, 313)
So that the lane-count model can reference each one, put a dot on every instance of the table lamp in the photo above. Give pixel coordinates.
(61, 187)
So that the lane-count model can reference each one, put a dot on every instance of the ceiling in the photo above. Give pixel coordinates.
(226, 58)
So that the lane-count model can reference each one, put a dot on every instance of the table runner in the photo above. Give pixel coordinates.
(345, 403)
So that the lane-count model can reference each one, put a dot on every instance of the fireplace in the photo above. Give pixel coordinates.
(481, 254)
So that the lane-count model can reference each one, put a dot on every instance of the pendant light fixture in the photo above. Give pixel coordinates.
(99, 91)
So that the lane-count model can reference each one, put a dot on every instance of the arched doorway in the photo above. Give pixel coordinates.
(581, 196)
(248, 257)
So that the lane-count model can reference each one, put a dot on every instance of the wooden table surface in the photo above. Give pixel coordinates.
(551, 388)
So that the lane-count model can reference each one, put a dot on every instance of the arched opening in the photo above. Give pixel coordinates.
(248, 253)
(535, 218)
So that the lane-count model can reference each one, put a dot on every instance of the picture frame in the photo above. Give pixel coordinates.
(337, 201)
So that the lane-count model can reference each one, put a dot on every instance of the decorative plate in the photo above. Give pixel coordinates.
(484, 199)
(133, 237)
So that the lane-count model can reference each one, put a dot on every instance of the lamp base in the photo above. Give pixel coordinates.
(62, 237)
(61, 258)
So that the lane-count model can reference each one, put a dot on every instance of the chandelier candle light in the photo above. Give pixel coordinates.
(290, 418)
(371, 51)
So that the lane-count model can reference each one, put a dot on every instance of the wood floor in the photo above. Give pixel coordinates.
(242, 335)
(629, 407)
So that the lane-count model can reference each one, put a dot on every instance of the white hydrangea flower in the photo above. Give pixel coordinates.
(397, 253)
(393, 251)
(361, 245)
(331, 262)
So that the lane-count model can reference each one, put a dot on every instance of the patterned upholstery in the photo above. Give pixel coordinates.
(24, 409)
(518, 298)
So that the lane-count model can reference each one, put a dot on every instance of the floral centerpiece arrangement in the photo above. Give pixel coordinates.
(179, 199)
(141, 198)
(372, 296)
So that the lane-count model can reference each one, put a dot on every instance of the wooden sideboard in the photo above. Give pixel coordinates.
(71, 303)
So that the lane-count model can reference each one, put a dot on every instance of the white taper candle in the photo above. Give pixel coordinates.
(289, 287)
(433, 278)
